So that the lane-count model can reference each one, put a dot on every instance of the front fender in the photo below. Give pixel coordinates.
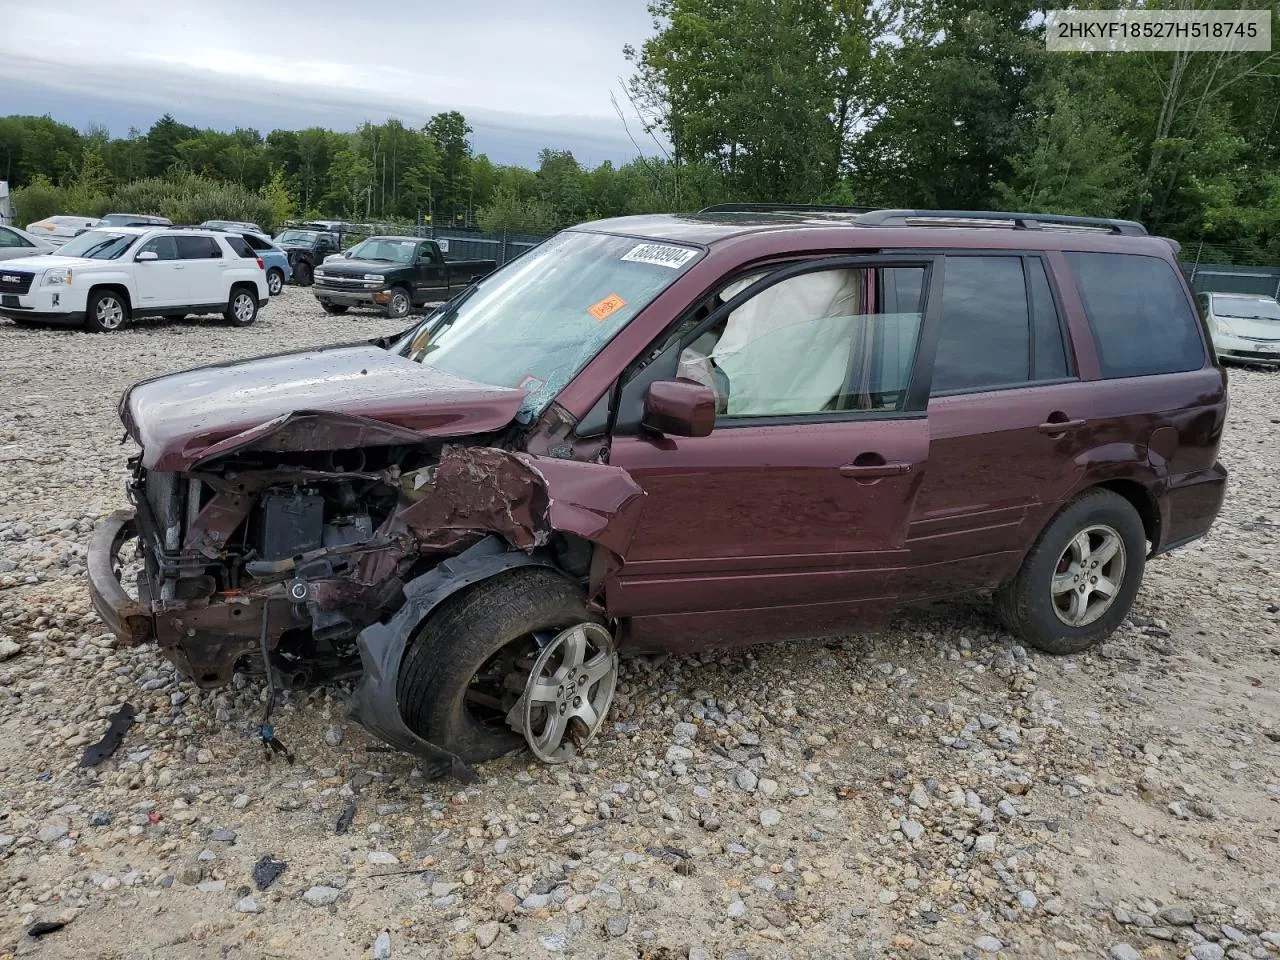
(375, 704)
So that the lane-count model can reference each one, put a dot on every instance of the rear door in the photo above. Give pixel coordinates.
(161, 282)
(790, 518)
(205, 270)
(1006, 421)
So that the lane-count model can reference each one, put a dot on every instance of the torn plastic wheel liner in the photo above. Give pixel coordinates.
(374, 704)
(121, 721)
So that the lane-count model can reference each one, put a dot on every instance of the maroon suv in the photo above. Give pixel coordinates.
(666, 432)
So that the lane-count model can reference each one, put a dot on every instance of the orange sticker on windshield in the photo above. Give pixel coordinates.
(607, 307)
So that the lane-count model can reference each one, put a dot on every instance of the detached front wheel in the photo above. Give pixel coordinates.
(513, 660)
(1078, 582)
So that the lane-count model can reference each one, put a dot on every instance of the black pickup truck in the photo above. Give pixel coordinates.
(306, 249)
(394, 274)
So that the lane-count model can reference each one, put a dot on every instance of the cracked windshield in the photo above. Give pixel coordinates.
(537, 323)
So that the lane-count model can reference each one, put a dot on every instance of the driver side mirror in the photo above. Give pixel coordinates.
(680, 408)
(147, 255)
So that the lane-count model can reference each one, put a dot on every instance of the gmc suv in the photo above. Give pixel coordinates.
(106, 276)
(670, 432)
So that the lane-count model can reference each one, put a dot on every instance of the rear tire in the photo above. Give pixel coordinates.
(1078, 582)
(107, 311)
(462, 638)
(302, 273)
(275, 282)
(337, 309)
(242, 308)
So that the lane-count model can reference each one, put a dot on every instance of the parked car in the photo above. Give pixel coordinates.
(105, 277)
(134, 220)
(275, 260)
(19, 243)
(58, 230)
(668, 433)
(233, 226)
(1245, 327)
(305, 249)
(394, 274)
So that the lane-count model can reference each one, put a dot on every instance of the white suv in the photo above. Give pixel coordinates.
(105, 276)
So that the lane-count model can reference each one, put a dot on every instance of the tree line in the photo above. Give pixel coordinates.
(901, 103)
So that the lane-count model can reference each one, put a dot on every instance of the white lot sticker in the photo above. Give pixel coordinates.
(660, 255)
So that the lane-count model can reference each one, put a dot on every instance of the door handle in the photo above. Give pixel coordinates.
(873, 471)
(1055, 426)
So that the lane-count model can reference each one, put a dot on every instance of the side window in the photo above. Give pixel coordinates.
(10, 239)
(985, 339)
(1139, 314)
(240, 246)
(198, 248)
(165, 247)
(820, 342)
(253, 242)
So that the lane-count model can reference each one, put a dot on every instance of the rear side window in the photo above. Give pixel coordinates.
(999, 325)
(253, 242)
(1139, 314)
(198, 248)
(241, 248)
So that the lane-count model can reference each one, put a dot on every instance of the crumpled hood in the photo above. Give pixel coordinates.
(335, 398)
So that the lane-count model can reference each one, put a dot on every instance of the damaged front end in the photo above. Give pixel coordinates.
(322, 540)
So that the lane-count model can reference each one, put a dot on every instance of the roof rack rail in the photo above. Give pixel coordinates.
(782, 208)
(995, 218)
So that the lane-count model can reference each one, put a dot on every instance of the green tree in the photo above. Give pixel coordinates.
(277, 194)
(162, 143)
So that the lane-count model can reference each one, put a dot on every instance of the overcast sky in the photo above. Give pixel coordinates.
(527, 73)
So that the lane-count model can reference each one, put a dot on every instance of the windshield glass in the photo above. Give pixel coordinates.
(539, 320)
(380, 248)
(297, 236)
(98, 245)
(118, 220)
(1246, 307)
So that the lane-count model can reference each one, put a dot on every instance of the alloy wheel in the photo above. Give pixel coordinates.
(1088, 576)
(110, 313)
(568, 693)
(243, 307)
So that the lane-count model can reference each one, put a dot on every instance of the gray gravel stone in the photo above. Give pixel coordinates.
(321, 896)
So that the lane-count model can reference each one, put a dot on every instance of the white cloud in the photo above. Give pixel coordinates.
(538, 67)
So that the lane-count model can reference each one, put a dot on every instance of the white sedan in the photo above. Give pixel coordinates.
(1245, 327)
(58, 230)
(18, 243)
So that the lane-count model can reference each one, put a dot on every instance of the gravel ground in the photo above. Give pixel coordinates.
(932, 790)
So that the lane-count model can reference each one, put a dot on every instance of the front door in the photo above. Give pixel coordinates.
(161, 282)
(433, 279)
(790, 518)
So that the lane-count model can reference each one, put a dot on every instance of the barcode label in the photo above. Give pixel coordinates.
(660, 255)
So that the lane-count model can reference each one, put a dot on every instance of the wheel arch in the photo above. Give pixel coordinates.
(114, 287)
(1143, 501)
(374, 703)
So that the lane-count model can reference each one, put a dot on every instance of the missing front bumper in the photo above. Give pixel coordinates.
(123, 615)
